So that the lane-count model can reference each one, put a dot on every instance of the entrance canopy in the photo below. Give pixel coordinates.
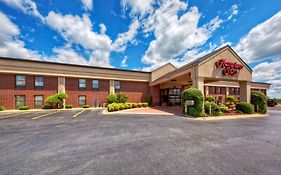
(221, 65)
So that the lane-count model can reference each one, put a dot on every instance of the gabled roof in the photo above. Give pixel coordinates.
(205, 58)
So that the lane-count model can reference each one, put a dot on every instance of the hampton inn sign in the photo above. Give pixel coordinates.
(220, 73)
(229, 68)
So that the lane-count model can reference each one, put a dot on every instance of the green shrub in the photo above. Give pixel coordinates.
(144, 104)
(210, 99)
(2, 108)
(245, 107)
(139, 105)
(193, 94)
(56, 100)
(149, 100)
(130, 105)
(211, 108)
(259, 100)
(121, 106)
(110, 108)
(23, 107)
(134, 105)
(111, 98)
(121, 98)
(69, 106)
(224, 109)
(115, 106)
(231, 98)
(86, 106)
(238, 111)
(127, 106)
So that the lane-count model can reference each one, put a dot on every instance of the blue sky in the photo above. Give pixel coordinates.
(143, 35)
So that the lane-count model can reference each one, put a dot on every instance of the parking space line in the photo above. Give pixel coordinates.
(78, 113)
(14, 115)
(44, 115)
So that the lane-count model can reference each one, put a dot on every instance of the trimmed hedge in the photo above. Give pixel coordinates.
(211, 108)
(210, 99)
(24, 108)
(120, 106)
(111, 98)
(86, 106)
(245, 107)
(2, 108)
(259, 100)
(197, 109)
(69, 106)
(46, 107)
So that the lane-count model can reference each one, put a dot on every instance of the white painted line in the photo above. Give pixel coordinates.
(77, 114)
(14, 115)
(44, 115)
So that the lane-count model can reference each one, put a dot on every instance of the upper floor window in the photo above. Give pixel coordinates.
(95, 84)
(117, 86)
(20, 81)
(82, 83)
(39, 81)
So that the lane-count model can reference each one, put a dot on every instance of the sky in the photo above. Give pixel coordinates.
(144, 34)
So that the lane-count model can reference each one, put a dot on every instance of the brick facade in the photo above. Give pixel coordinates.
(8, 89)
(73, 91)
(136, 91)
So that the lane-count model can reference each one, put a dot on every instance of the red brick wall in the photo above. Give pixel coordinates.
(8, 89)
(73, 91)
(155, 93)
(136, 91)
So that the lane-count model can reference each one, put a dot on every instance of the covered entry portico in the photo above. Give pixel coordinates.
(223, 65)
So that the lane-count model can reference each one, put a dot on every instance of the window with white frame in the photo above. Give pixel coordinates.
(82, 84)
(20, 81)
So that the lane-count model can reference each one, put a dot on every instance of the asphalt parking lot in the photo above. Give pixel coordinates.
(93, 143)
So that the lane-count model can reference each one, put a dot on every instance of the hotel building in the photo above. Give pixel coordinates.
(219, 74)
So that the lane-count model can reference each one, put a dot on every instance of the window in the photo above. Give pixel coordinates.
(20, 81)
(117, 85)
(38, 101)
(20, 100)
(39, 81)
(82, 83)
(82, 100)
(212, 90)
(218, 90)
(95, 84)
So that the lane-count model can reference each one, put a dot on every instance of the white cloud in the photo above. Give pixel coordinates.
(78, 30)
(138, 7)
(8, 29)
(10, 45)
(124, 62)
(87, 4)
(123, 39)
(269, 72)
(233, 11)
(26, 6)
(67, 55)
(262, 41)
(174, 34)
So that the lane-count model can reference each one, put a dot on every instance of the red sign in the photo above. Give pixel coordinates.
(229, 68)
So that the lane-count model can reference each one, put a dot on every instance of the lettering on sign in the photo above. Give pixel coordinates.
(229, 68)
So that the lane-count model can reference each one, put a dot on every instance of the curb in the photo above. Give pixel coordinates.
(229, 117)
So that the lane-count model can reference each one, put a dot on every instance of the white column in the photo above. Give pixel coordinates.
(111, 87)
(61, 87)
(245, 91)
(61, 84)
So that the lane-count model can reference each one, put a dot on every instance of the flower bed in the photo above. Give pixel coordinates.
(121, 106)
